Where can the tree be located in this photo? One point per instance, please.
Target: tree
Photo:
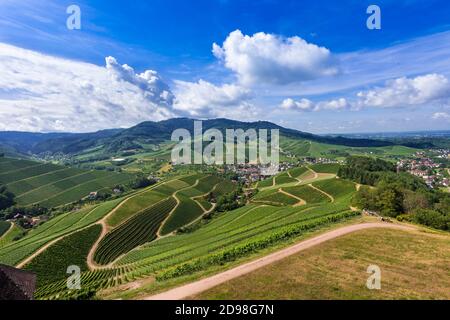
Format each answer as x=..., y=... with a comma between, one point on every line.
x=6, y=198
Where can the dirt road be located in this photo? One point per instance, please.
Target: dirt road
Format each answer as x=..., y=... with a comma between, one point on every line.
x=197, y=287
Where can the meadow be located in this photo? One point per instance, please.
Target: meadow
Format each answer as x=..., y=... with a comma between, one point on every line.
x=414, y=265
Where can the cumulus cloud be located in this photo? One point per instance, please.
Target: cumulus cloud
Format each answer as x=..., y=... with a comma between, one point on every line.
x=44, y=93
x=153, y=88
x=308, y=105
x=203, y=99
x=407, y=91
x=401, y=92
x=272, y=59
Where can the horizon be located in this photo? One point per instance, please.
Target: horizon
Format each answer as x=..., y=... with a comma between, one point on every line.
x=307, y=66
x=319, y=134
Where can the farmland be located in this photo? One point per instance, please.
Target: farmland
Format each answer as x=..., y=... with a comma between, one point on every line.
x=61, y=225
x=138, y=239
x=307, y=193
x=52, y=264
x=138, y=230
x=52, y=185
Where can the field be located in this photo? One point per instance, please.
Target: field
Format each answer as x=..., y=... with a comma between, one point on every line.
x=61, y=225
x=326, y=168
x=138, y=230
x=414, y=265
x=134, y=204
x=52, y=264
x=336, y=187
x=275, y=198
x=52, y=185
x=128, y=252
x=187, y=211
x=307, y=193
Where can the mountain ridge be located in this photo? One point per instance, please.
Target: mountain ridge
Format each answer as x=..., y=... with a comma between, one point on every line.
x=151, y=132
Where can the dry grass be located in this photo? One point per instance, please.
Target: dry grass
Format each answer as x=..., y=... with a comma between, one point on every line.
x=414, y=265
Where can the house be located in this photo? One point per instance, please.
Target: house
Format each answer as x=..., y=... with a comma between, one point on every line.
x=93, y=195
x=16, y=284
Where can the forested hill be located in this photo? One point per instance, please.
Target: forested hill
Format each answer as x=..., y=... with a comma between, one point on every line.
x=151, y=132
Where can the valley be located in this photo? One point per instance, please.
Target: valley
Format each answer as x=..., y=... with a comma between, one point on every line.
x=138, y=225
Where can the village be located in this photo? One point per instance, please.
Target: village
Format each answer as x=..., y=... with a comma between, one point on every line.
x=435, y=174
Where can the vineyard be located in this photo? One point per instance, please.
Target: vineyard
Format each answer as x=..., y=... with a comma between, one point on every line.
x=138, y=230
x=61, y=225
x=51, y=265
x=127, y=252
x=187, y=211
x=275, y=198
x=336, y=187
x=52, y=185
x=307, y=193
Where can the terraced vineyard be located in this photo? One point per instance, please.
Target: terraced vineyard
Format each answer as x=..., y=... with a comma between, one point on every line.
x=52, y=264
x=276, y=198
x=127, y=252
x=307, y=193
x=336, y=187
x=61, y=225
x=52, y=185
x=284, y=178
x=187, y=211
x=138, y=230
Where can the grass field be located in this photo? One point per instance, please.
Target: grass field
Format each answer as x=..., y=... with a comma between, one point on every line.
x=52, y=185
x=414, y=265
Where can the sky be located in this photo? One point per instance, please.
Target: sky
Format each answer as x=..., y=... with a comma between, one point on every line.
x=314, y=66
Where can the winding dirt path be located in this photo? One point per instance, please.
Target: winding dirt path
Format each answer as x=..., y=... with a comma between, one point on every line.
x=92, y=265
x=300, y=202
x=191, y=289
x=24, y=262
x=323, y=192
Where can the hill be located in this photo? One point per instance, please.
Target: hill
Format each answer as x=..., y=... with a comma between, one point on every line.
x=50, y=185
x=337, y=270
x=149, y=132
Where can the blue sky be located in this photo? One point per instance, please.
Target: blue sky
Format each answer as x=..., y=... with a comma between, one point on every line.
x=309, y=65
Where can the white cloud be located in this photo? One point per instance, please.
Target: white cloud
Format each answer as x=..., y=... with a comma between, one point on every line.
x=401, y=92
x=441, y=115
x=301, y=105
x=271, y=59
x=153, y=88
x=407, y=92
x=203, y=99
x=44, y=93
x=308, y=105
